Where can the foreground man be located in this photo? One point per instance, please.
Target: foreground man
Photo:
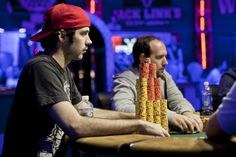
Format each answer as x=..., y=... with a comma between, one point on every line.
x=44, y=105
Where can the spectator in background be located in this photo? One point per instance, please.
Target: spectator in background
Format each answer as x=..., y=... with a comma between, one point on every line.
x=175, y=60
x=6, y=62
x=215, y=74
x=223, y=122
x=196, y=74
x=124, y=91
x=226, y=82
x=12, y=74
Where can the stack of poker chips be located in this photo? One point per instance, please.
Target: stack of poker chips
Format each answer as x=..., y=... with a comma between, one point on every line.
x=149, y=105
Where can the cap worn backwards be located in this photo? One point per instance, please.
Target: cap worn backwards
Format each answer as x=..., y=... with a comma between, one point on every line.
x=62, y=16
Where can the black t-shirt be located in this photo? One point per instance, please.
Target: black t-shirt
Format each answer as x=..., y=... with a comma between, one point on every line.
x=30, y=131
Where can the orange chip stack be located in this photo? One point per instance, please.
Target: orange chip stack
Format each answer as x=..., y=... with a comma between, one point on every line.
x=151, y=89
x=144, y=70
x=157, y=88
x=152, y=70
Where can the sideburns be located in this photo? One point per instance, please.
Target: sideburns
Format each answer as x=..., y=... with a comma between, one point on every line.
x=70, y=35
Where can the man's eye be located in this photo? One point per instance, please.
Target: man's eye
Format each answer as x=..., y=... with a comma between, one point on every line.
x=84, y=33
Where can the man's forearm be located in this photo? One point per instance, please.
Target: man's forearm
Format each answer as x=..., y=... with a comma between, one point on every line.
x=213, y=128
x=106, y=114
x=100, y=127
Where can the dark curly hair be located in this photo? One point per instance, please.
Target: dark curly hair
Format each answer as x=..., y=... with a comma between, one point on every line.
x=142, y=46
x=50, y=42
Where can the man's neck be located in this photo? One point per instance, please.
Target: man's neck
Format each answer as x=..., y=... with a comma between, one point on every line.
x=61, y=59
x=59, y=56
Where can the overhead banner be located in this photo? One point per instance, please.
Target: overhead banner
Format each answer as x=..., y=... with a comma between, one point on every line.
x=144, y=13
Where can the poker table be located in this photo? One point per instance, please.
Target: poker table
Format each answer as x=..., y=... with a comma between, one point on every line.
x=144, y=145
x=104, y=145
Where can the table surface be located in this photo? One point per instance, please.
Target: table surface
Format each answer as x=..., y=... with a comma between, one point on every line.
x=108, y=144
x=182, y=145
x=145, y=145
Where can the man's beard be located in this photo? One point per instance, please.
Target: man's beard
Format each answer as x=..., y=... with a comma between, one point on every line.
x=160, y=74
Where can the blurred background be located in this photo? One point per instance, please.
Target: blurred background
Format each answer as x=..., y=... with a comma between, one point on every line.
x=200, y=36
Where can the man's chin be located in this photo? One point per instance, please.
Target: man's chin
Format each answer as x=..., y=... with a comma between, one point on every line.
x=80, y=57
x=160, y=74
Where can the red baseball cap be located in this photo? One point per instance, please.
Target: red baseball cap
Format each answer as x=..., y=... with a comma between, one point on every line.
x=62, y=16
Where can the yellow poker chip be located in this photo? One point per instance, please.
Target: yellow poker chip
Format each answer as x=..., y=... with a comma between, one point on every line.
x=149, y=110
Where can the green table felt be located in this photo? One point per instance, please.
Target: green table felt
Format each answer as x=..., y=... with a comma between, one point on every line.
x=192, y=135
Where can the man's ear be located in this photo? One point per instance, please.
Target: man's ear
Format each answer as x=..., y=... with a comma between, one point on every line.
x=62, y=35
x=142, y=57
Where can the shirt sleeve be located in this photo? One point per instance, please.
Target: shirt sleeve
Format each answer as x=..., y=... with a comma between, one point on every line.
x=175, y=99
x=226, y=113
x=124, y=95
x=226, y=82
x=48, y=84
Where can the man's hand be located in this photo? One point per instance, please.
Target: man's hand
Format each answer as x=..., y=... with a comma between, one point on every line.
x=196, y=120
x=188, y=122
x=152, y=129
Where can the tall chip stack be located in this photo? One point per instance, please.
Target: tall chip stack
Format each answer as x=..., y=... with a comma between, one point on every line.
x=141, y=85
x=164, y=117
x=157, y=102
x=149, y=105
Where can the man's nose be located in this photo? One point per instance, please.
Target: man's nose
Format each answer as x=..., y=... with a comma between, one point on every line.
x=164, y=62
x=89, y=41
